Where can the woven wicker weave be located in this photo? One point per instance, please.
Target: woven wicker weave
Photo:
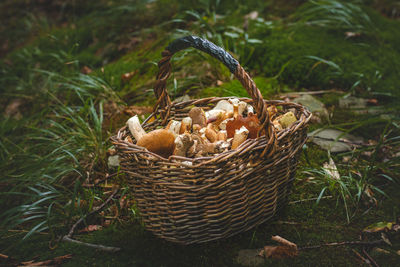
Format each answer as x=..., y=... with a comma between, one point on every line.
x=194, y=200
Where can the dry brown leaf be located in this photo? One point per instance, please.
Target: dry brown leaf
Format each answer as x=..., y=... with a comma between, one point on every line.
x=287, y=250
x=86, y=70
x=279, y=252
x=91, y=228
x=56, y=261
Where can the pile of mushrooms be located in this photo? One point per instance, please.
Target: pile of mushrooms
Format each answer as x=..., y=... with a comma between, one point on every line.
x=224, y=127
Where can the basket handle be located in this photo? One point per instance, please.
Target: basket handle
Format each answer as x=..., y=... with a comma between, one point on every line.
x=164, y=102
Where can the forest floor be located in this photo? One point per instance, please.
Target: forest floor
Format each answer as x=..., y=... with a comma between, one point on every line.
x=73, y=73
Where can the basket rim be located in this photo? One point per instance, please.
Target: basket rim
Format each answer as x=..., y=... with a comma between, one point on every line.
x=249, y=144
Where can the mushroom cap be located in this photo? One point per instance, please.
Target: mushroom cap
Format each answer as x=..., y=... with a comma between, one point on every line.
x=161, y=142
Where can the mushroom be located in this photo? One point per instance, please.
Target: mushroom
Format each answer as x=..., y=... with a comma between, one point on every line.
x=198, y=116
x=182, y=144
x=242, y=106
x=202, y=147
x=135, y=128
x=222, y=135
x=210, y=133
x=286, y=120
x=239, y=137
x=186, y=125
x=174, y=127
x=161, y=141
x=224, y=105
x=251, y=122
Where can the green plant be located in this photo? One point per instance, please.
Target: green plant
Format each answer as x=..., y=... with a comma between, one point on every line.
x=44, y=165
x=338, y=15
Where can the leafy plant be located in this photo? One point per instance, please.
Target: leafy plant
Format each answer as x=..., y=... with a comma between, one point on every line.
x=344, y=15
x=47, y=162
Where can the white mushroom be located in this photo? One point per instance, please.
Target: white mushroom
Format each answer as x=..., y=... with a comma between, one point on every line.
x=239, y=137
x=135, y=128
x=182, y=144
x=174, y=127
x=161, y=141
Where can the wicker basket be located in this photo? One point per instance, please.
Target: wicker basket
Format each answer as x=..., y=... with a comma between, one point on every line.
x=194, y=200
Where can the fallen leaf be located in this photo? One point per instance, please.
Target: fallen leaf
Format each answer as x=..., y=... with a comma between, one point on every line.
x=86, y=70
x=91, y=228
x=287, y=250
x=378, y=227
x=331, y=169
x=278, y=252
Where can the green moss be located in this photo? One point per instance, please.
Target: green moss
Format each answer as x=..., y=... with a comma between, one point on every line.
x=371, y=61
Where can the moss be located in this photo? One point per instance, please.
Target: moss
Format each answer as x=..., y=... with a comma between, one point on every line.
x=371, y=61
x=303, y=223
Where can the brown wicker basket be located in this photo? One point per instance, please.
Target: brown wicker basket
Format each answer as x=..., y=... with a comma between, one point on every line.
x=194, y=200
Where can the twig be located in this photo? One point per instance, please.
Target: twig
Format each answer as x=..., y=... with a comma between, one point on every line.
x=361, y=257
x=351, y=243
x=95, y=210
x=370, y=258
x=100, y=247
x=309, y=199
x=68, y=237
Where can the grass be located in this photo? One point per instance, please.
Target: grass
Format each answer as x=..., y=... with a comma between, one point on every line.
x=55, y=143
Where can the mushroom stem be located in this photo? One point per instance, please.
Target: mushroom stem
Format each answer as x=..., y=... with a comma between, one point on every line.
x=174, y=127
x=135, y=128
x=182, y=144
x=186, y=125
x=239, y=137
